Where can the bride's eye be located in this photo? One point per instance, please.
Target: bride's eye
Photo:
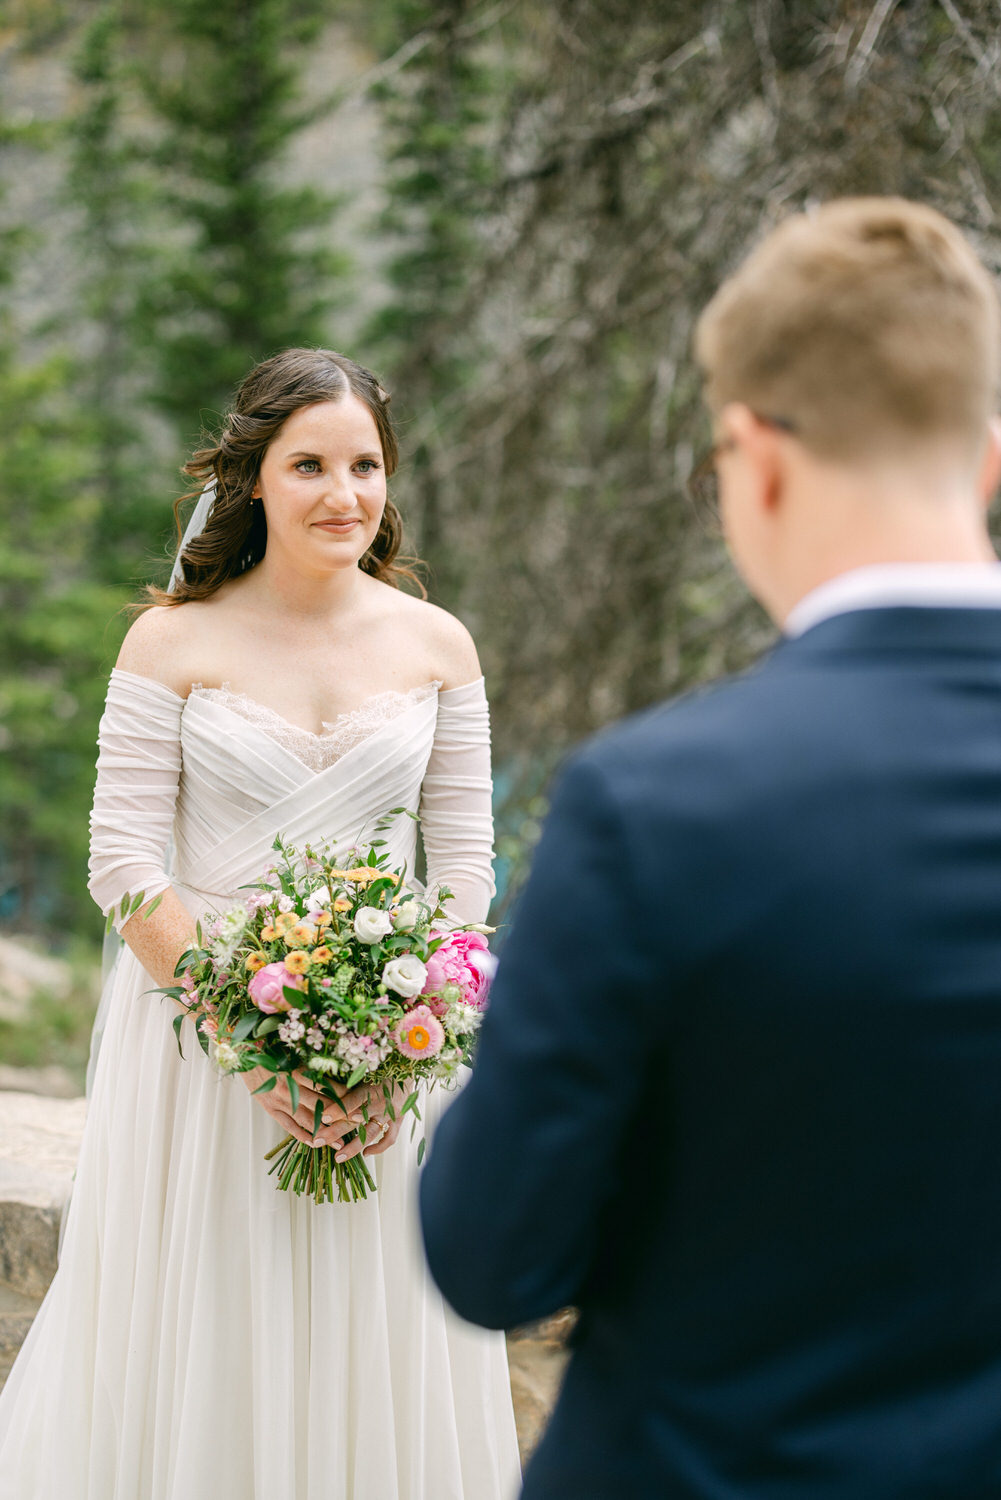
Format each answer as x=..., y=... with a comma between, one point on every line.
x=367, y=465
x=308, y=465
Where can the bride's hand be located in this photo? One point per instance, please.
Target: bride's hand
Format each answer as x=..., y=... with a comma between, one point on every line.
x=382, y=1129
x=278, y=1103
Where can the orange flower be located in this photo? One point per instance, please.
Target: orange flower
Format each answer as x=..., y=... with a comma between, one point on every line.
x=297, y=963
x=323, y=919
x=322, y=955
x=285, y=921
x=342, y=906
x=301, y=935
x=268, y=933
x=256, y=961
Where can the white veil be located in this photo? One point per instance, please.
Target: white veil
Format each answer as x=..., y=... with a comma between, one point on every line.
x=195, y=526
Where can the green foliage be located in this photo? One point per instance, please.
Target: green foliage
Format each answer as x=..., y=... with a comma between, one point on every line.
x=55, y=1029
x=55, y=644
x=246, y=267
x=113, y=195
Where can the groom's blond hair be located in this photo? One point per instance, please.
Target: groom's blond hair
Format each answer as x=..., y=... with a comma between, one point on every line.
x=868, y=325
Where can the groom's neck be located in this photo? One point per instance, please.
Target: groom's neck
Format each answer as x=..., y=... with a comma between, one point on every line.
x=845, y=520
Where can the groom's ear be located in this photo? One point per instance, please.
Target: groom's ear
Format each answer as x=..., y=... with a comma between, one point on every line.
x=759, y=446
x=990, y=465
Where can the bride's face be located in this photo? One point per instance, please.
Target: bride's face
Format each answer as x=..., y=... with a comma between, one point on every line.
x=322, y=483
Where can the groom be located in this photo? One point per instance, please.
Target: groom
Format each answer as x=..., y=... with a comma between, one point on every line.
x=739, y=1093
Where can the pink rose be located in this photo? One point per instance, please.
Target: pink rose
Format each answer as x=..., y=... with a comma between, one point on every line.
x=267, y=985
x=464, y=959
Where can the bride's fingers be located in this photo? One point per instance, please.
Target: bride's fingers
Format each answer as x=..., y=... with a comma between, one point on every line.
x=377, y=1147
x=285, y=1120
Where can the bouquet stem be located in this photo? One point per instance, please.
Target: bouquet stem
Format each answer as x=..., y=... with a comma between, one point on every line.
x=314, y=1170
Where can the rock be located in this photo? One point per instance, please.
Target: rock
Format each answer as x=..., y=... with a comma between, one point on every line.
x=39, y=1144
x=537, y=1356
x=16, y=1315
x=53, y=1082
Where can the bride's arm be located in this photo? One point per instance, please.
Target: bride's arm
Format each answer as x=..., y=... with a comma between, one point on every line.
x=138, y=766
x=456, y=816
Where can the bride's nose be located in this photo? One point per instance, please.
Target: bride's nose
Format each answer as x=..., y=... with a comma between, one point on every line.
x=338, y=493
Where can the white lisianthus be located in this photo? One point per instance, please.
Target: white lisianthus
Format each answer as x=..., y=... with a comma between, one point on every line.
x=371, y=924
x=320, y=899
x=407, y=915
x=480, y=927
x=406, y=975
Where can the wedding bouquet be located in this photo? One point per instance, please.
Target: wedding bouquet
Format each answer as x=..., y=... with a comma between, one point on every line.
x=336, y=973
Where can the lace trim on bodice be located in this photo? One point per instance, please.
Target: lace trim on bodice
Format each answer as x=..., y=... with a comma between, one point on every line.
x=318, y=751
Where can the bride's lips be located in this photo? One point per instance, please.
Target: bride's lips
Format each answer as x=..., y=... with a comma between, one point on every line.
x=337, y=528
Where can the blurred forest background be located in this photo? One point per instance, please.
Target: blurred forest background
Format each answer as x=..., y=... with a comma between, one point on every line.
x=514, y=210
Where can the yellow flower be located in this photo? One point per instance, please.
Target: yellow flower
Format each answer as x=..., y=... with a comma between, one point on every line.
x=301, y=935
x=323, y=919
x=285, y=921
x=322, y=955
x=268, y=933
x=256, y=961
x=342, y=906
x=297, y=963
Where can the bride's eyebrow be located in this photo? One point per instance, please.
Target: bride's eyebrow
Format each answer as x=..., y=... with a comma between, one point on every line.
x=318, y=457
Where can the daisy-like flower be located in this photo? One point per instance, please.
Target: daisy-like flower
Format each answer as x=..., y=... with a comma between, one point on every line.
x=420, y=1034
x=301, y=935
x=323, y=919
x=285, y=921
x=323, y=954
x=342, y=906
x=297, y=962
x=268, y=933
x=255, y=961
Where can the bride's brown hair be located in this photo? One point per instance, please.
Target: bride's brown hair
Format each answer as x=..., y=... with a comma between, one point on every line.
x=235, y=534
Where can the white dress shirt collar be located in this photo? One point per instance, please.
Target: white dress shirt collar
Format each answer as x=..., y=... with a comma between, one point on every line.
x=883, y=585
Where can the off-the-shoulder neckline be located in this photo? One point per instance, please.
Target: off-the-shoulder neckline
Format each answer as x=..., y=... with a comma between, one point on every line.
x=154, y=682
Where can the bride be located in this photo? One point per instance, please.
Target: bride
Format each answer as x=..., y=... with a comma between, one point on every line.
x=207, y=1337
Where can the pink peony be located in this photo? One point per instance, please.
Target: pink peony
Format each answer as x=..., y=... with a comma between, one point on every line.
x=267, y=985
x=419, y=1034
x=464, y=958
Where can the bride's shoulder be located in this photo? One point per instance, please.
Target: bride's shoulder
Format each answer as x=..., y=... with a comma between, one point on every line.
x=163, y=644
x=442, y=639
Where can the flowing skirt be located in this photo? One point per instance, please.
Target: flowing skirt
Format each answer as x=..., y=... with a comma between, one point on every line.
x=208, y=1337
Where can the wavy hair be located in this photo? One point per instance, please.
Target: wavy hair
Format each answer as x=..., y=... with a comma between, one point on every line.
x=235, y=534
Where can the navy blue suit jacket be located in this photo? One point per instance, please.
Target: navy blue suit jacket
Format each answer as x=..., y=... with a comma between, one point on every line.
x=739, y=1091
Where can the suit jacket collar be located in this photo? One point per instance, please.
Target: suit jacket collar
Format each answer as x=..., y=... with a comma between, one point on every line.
x=899, y=630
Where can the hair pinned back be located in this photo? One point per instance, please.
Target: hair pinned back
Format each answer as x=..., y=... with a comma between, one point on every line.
x=235, y=534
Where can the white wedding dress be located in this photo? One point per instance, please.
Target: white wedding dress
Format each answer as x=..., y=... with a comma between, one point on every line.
x=206, y=1336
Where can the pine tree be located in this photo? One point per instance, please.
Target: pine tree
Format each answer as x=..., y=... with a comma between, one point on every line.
x=437, y=114
x=248, y=268
x=115, y=203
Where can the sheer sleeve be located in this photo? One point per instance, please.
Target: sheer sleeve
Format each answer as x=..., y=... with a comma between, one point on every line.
x=138, y=765
x=456, y=818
